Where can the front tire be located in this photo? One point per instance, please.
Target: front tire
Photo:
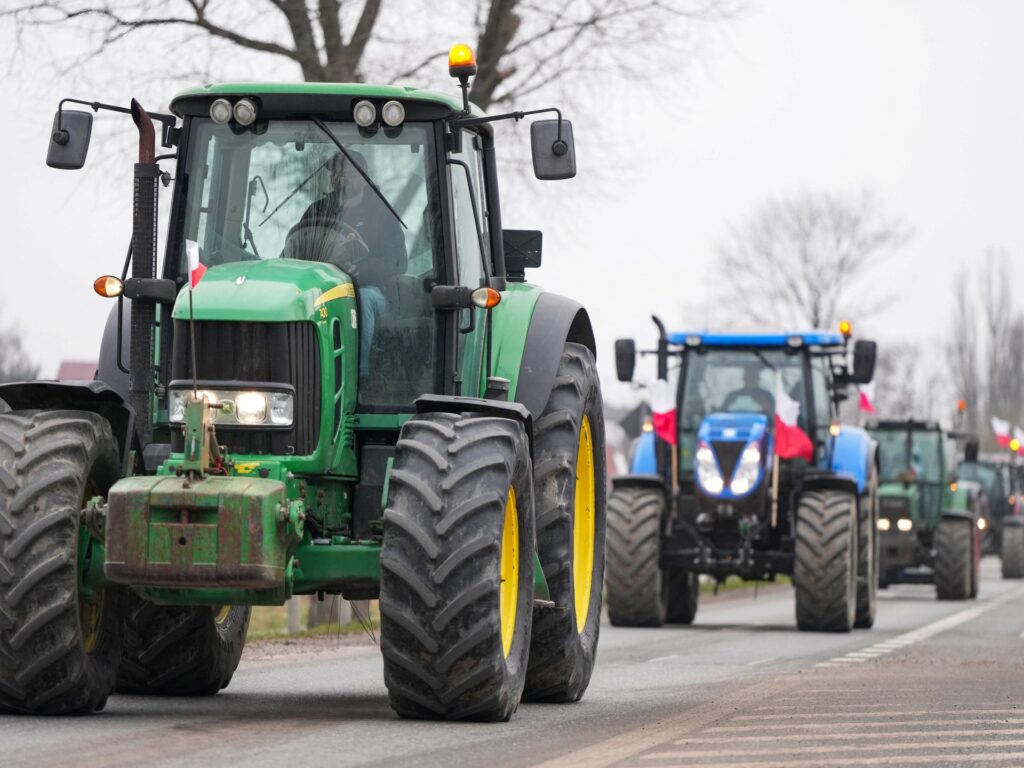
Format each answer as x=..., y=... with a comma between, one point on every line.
x=637, y=591
x=825, y=561
x=457, y=568
x=180, y=651
x=569, y=491
x=59, y=646
x=683, y=596
x=954, y=559
x=1012, y=551
x=869, y=553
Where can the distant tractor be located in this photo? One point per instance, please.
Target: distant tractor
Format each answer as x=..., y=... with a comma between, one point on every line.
x=1002, y=484
x=930, y=524
x=338, y=383
x=753, y=477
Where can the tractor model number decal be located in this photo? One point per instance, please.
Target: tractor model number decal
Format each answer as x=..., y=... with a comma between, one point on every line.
x=346, y=290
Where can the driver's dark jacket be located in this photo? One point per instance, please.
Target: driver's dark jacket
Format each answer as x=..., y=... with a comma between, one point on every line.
x=373, y=221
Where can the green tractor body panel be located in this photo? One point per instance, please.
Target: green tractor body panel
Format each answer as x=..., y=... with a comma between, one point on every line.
x=511, y=319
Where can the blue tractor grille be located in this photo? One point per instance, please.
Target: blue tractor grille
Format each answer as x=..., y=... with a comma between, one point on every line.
x=728, y=453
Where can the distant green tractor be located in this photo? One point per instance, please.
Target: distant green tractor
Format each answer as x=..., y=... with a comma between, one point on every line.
x=1002, y=484
x=361, y=396
x=928, y=521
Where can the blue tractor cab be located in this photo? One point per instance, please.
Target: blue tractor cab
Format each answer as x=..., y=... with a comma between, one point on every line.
x=755, y=477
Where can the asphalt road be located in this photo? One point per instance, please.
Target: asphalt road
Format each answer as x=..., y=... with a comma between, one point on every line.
x=936, y=684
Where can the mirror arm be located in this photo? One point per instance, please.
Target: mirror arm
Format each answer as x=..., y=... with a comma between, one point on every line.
x=559, y=148
x=169, y=134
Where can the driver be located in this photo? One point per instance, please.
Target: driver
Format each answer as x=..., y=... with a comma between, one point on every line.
x=369, y=238
x=751, y=389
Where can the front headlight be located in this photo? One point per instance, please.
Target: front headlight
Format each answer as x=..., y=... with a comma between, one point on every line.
x=905, y=524
x=749, y=467
x=238, y=408
x=884, y=524
x=708, y=474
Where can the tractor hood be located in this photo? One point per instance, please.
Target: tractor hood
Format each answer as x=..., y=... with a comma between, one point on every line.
x=732, y=427
x=898, y=500
x=731, y=454
x=275, y=290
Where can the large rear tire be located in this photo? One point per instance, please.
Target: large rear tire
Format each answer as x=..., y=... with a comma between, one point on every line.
x=59, y=645
x=1013, y=551
x=177, y=651
x=825, y=563
x=954, y=559
x=869, y=553
x=457, y=568
x=683, y=596
x=637, y=591
x=569, y=494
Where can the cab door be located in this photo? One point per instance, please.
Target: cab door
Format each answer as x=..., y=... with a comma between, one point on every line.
x=471, y=239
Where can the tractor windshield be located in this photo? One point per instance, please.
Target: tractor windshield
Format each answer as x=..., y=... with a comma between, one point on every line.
x=902, y=451
x=737, y=381
x=283, y=189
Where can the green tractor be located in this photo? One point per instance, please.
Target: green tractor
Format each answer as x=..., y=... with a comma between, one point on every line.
x=339, y=383
x=929, y=523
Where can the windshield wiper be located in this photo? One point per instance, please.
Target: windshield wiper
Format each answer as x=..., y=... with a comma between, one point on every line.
x=292, y=194
x=323, y=127
x=246, y=229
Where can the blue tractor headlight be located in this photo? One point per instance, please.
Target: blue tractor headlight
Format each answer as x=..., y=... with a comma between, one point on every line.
x=747, y=471
x=708, y=474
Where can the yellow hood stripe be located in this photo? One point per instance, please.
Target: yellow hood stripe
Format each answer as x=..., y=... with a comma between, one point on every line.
x=346, y=290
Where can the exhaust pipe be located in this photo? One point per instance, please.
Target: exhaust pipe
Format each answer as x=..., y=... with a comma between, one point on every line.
x=146, y=198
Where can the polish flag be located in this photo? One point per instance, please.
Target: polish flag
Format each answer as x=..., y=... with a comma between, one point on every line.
x=196, y=268
x=867, y=397
x=1002, y=430
x=790, y=441
x=663, y=408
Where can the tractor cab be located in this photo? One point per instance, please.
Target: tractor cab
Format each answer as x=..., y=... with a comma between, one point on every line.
x=746, y=443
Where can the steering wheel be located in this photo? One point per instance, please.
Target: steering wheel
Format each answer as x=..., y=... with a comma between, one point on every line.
x=338, y=244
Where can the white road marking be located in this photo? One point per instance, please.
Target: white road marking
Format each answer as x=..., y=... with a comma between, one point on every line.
x=859, y=737
x=818, y=762
x=761, y=661
x=832, y=749
x=890, y=713
x=888, y=723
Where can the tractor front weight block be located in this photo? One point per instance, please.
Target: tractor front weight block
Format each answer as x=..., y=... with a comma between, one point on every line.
x=216, y=532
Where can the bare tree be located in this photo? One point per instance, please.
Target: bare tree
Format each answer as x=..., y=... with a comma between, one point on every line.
x=522, y=46
x=15, y=364
x=962, y=353
x=800, y=261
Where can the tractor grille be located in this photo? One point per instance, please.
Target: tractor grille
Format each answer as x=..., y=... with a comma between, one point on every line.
x=728, y=453
x=894, y=507
x=282, y=353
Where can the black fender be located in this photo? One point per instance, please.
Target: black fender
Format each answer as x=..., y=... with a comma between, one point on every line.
x=555, y=321
x=93, y=396
x=1013, y=521
x=642, y=482
x=478, y=405
x=829, y=482
x=958, y=514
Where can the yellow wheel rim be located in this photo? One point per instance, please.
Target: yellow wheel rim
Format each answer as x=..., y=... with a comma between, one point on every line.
x=220, y=615
x=89, y=612
x=509, y=591
x=583, y=526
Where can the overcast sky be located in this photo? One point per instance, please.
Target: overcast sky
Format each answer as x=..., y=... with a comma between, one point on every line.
x=918, y=100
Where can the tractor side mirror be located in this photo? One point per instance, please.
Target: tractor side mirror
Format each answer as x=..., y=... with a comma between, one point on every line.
x=69, y=139
x=522, y=251
x=863, y=361
x=971, y=450
x=553, y=150
x=625, y=358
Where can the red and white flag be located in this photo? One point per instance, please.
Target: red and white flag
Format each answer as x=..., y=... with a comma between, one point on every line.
x=196, y=268
x=663, y=408
x=1002, y=430
x=790, y=441
x=867, y=397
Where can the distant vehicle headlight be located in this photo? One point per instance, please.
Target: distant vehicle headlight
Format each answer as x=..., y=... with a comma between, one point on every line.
x=745, y=476
x=708, y=474
x=884, y=524
x=905, y=524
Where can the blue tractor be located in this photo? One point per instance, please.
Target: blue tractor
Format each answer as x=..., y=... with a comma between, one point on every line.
x=708, y=494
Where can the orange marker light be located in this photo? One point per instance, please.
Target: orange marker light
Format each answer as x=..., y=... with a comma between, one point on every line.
x=485, y=298
x=961, y=405
x=845, y=328
x=108, y=286
x=461, y=61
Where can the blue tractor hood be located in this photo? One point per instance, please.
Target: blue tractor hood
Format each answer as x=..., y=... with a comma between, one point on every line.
x=733, y=427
